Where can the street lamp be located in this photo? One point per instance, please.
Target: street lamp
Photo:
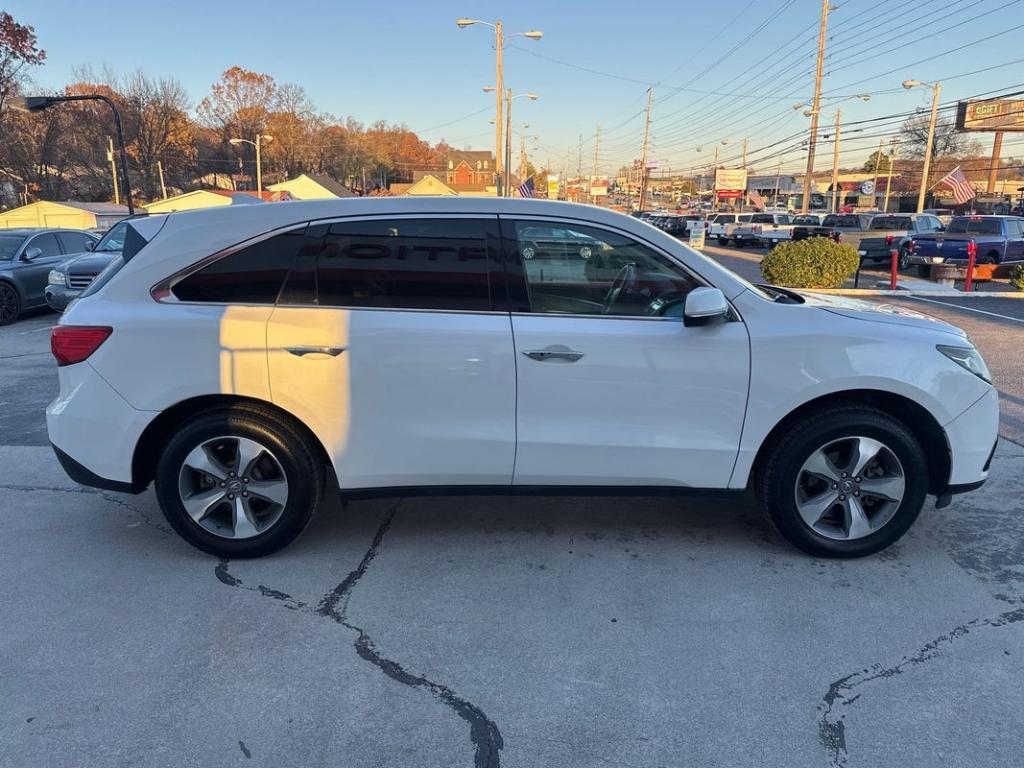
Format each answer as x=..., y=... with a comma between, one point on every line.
x=260, y=138
x=39, y=103
x=936, y=90
x=499, y=80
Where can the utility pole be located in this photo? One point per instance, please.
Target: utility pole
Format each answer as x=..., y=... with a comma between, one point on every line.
x=113, y=169
x=936, y=90
x=835, y=164
x=597, y=149
x=878, y=160
x=993, y=167
x=508, y=143
x=579, y=159
x=643, y=151
x=714, y=178
x=499, y=90
x=778, y=176
x=888, y=175
x=163, y=188
x=815, y=107
x=259, y=168
x=744, y=154
x=522, y=159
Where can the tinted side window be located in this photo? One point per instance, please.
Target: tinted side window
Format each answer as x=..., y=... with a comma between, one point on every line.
x=74, y=242
x=406, y=264
x=252, y=275
x=47, y=242
x=762, y=218
x=602, y=272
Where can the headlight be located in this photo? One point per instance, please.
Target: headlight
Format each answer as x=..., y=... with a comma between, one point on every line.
x=968, y=358
x=56, y=278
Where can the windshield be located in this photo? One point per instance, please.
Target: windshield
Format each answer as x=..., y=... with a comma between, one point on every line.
x=891, y=222
x=9, y=245
x=113, y=240
x=967, y=226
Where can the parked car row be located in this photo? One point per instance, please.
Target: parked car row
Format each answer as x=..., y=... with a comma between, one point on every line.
x=51, y=267
x=26, y=258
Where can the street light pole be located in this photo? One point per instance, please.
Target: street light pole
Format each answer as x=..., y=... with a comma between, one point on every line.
x=39, y=103
x=936, y=90
x=835, y=164
x=499, y=92
x=259, y=166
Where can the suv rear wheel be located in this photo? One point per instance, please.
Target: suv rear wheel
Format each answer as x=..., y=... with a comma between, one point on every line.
x=239, y=482
x=844, y=482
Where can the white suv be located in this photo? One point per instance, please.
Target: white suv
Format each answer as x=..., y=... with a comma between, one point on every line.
x=240, y=356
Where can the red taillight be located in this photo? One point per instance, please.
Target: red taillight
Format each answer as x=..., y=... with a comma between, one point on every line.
x=72, y=344
x=889, y=239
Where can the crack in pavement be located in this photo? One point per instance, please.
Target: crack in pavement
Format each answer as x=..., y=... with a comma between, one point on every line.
x=106, y=495
x=483, y=732
x=832, y=729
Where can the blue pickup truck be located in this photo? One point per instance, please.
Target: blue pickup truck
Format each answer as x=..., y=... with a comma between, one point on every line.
x=999, y=239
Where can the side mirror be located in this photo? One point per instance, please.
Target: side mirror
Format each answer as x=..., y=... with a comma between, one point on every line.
x=89, y=245
x=32, y=254
x=704, y=306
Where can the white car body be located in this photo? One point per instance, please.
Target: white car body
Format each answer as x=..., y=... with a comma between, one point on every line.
x=420, y=398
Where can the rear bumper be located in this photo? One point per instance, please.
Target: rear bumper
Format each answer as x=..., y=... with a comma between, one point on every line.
x=84, y=476
x=94, y=430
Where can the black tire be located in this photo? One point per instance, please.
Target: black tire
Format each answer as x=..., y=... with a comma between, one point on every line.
x=904, y=259
x=298, y=458
x=775, y=483
x=10, y=303
x=923, y=270
x=723, y=241
x=991, y=258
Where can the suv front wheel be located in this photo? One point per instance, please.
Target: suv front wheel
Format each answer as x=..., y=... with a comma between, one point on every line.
x=239, y=482
x=846, y=481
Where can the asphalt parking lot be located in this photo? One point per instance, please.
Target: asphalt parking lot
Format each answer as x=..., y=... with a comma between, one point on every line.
x=493, y=631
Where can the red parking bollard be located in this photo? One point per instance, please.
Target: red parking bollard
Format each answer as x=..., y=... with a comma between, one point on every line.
x=972, y=254
x=894, y=256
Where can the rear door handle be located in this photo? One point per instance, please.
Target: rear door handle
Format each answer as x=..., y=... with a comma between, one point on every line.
x=554, y=353
x=302, y=351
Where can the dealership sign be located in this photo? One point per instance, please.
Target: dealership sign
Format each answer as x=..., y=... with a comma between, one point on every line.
x=733, y=179
x=990, y=115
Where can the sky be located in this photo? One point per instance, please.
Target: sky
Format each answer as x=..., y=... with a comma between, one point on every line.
x=720, y=72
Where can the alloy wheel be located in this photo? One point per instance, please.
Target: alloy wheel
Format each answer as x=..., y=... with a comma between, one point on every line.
x=8, y=304
x=233, y=487
x=849, y=488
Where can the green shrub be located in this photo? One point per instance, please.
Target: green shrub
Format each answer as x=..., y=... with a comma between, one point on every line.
x=1017, y=276
x=817, y=262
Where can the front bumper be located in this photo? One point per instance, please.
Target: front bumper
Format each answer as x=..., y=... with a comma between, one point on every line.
x=58, y=297
x=972, y=438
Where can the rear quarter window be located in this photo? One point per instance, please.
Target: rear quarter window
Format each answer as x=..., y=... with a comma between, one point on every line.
x=251, y=275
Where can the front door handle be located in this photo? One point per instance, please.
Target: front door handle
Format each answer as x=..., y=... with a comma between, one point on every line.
x=302, y=351
x=554, y=353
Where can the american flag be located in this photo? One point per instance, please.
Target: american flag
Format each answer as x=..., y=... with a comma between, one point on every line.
x=526, y=188
x=962, y=189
